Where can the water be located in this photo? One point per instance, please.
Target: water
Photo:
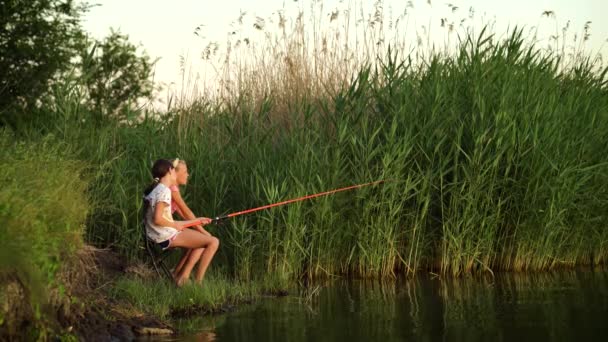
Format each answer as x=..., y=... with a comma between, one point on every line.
x=564, y=306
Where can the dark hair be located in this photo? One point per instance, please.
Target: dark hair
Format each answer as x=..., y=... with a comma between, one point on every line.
x=159, y=170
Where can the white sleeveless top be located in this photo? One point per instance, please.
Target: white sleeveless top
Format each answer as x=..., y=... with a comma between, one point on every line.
x=159, y=233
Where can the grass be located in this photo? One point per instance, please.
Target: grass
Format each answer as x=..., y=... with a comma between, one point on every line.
x=43, y=207
x=496, y=153
x=164, y=300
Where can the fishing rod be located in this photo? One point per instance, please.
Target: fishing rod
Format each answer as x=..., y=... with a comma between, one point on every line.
x=268, y=206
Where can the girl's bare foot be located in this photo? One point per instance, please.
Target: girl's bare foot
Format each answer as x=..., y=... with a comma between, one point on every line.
x=181, y=281
x=175, y=278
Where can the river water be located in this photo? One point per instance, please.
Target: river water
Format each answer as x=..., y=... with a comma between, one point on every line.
x=561, y=306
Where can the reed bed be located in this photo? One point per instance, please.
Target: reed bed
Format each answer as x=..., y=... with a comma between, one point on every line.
x=495, y=151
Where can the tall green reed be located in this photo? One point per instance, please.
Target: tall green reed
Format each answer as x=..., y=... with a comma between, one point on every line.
x=495, y=156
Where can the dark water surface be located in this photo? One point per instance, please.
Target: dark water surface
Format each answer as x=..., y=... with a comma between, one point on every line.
x=563, y=306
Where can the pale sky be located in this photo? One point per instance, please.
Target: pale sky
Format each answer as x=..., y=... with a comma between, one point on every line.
x=165, y=29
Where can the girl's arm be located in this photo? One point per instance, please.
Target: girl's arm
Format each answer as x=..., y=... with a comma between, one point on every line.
x=179, y=212
x=184, y=211
x=159, y=220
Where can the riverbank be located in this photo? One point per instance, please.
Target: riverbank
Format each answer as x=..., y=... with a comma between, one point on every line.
x=107, y=298
x=102, y=317
x=137, y=301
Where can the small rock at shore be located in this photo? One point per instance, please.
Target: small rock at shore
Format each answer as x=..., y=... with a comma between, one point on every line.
x=153, y=331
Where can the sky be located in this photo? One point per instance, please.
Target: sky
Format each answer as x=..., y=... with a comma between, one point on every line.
x=166, y=29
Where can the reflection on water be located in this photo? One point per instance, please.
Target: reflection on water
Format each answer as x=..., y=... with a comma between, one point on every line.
x=539, y=307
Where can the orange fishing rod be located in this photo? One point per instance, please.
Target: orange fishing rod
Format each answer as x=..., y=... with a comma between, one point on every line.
x=268, y=206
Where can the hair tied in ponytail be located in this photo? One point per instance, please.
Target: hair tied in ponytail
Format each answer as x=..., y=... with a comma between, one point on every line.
x=160, y=169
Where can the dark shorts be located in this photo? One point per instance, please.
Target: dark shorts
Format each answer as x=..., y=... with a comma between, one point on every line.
x=164, y=244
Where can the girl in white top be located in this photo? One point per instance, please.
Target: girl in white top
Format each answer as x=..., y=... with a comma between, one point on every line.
x=179, y=206
x=162, y=229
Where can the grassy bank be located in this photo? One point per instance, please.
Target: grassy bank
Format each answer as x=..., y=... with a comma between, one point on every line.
x=43, y=207
x=165, y=301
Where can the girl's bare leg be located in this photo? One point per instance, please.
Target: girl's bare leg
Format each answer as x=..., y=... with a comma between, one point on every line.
x=193, y=256
x=191, y=239
x=205, y=259
x=181, y=262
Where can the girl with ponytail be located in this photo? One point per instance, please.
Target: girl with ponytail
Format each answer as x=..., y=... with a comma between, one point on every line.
x=162, y=229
